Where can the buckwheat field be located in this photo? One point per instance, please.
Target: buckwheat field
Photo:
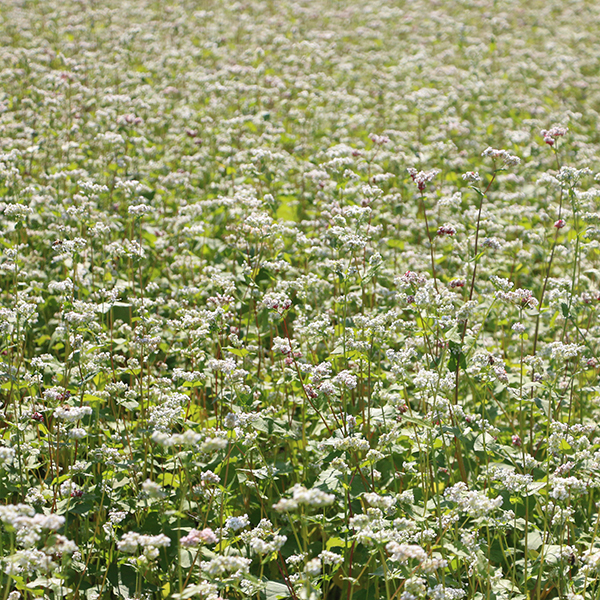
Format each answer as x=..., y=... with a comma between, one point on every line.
x=299, y=299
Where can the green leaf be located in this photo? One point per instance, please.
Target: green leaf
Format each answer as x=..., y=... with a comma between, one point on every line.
x=189, y=592
x=335, y=542
x=187, y=557
x=457, y=356
x=395, y=244
x=484, y=442
x=128, y=404
x=241, y=352
x=276, y=591
x=534, y=539
x=329, y=480
x=122, y=579
x=416, y=421
x=535, y=487
x=552, y=553
x=452, y=335
x=564, y=446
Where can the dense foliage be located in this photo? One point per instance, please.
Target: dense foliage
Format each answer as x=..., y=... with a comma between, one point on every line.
x=299, y=299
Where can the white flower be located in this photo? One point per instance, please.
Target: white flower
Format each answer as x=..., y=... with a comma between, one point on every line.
x=313, y=497
x=72, y=414
x=237, y=523
x=331, y=558
x=313, y=567
x=474, y=503
x=18, y=211
x=346, y=378
x=78, y=433
x=422, y=178
x=285, y=505
x=403, y=553
x=7, y=456
x=153, y=489
x=130, y=542
x=220, y=565
x=518, y=328
x=509, y=160
x=210, y=477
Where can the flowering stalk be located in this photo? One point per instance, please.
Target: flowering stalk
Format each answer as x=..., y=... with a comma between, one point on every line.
x=421, y=178
x=550, y=139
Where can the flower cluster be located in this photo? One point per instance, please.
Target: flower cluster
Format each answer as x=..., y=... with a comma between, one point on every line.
x=508, y=159
x=422, y=178
x=551, y=134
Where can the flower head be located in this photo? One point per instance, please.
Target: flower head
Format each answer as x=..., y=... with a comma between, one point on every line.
x=508, y=160
x=422, y=178
x=551, y=134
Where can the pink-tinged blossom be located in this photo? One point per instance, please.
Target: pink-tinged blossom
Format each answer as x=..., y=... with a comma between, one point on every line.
x=446, y=230
x=422, y=178
x=551, y=134
x=195, y=538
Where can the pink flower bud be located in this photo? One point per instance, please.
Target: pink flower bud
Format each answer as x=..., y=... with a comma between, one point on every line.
x=446, y=230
